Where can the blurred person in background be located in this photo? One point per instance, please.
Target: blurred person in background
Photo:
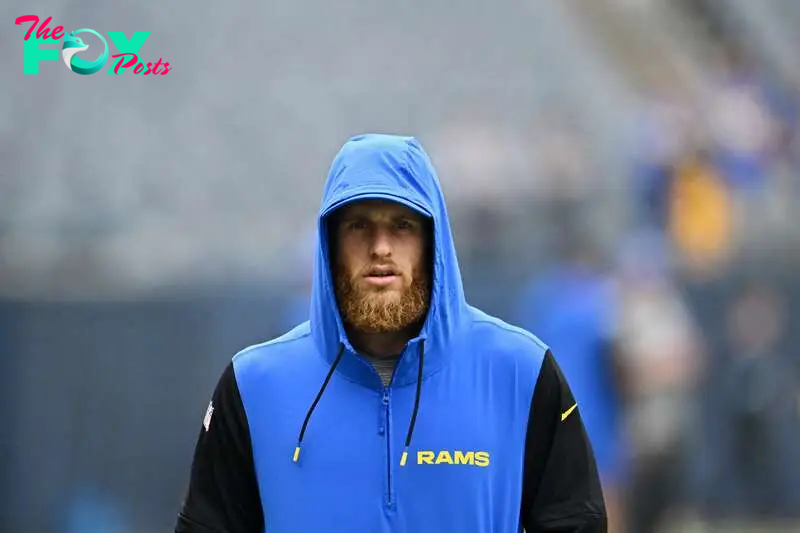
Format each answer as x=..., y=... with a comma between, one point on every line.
x=758, y=477
x=398, y=406
x=660, y=351
x=700, y=214
x=91, y=510
x=572, y=307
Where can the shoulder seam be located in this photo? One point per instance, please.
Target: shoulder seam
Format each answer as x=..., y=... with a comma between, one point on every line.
x=271, y=342
x=517, y=331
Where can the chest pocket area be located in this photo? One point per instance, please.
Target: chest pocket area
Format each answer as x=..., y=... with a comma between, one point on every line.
x=453, y=452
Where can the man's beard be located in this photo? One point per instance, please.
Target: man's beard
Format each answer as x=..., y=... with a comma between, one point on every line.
x=372, y=311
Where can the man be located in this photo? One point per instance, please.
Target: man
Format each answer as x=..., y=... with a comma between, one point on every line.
x=398, y=406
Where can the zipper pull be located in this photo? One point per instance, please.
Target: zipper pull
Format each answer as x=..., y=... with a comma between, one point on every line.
x=382, y=414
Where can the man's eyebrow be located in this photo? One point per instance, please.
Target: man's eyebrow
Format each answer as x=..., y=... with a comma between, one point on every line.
x=350, y=214
x=408, y=216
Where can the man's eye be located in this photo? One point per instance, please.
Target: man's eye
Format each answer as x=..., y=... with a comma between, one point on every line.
x=404, y=224
x=357, y=224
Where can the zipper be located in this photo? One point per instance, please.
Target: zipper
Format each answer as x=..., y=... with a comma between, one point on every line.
x=384, y=429
x=387, y=437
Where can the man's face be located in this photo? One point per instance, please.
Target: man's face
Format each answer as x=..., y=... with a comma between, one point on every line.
x=380, y=265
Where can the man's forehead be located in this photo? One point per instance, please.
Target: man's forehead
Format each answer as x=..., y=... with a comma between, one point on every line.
x=378, y=208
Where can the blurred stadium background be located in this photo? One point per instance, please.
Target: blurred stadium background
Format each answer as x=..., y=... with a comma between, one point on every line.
x=622, y=175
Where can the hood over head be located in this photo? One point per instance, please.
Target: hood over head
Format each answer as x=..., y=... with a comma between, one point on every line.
x=394, y=168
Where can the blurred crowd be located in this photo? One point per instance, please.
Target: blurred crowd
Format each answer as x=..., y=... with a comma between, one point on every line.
x=639, y=217
x=680, y=337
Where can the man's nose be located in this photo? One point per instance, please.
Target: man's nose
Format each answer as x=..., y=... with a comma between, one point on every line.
x=381, y=243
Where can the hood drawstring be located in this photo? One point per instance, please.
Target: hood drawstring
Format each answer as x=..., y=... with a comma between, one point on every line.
x=316, y=401
x=411, y=424
x=416, y=404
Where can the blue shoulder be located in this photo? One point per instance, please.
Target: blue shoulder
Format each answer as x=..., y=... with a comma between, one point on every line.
x=274, y=354
x=512, y=344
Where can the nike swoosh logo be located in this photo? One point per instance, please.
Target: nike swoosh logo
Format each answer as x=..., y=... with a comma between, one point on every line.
x=568, y=412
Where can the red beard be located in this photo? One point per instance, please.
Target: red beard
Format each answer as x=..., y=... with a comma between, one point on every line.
x=381, y=311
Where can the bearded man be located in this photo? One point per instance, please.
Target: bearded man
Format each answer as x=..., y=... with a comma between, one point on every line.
x=397, y=407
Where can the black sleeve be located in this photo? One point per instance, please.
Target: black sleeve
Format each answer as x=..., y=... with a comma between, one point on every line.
x=561, y=491
x=223, y=492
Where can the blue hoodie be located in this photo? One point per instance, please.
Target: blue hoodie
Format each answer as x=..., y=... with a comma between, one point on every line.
x=477, y=431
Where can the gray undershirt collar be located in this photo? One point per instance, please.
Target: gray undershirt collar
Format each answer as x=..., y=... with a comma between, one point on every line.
x=384, y=366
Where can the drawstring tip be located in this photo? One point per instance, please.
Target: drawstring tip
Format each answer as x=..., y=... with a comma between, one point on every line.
x=296, y=454
x=403, y=458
